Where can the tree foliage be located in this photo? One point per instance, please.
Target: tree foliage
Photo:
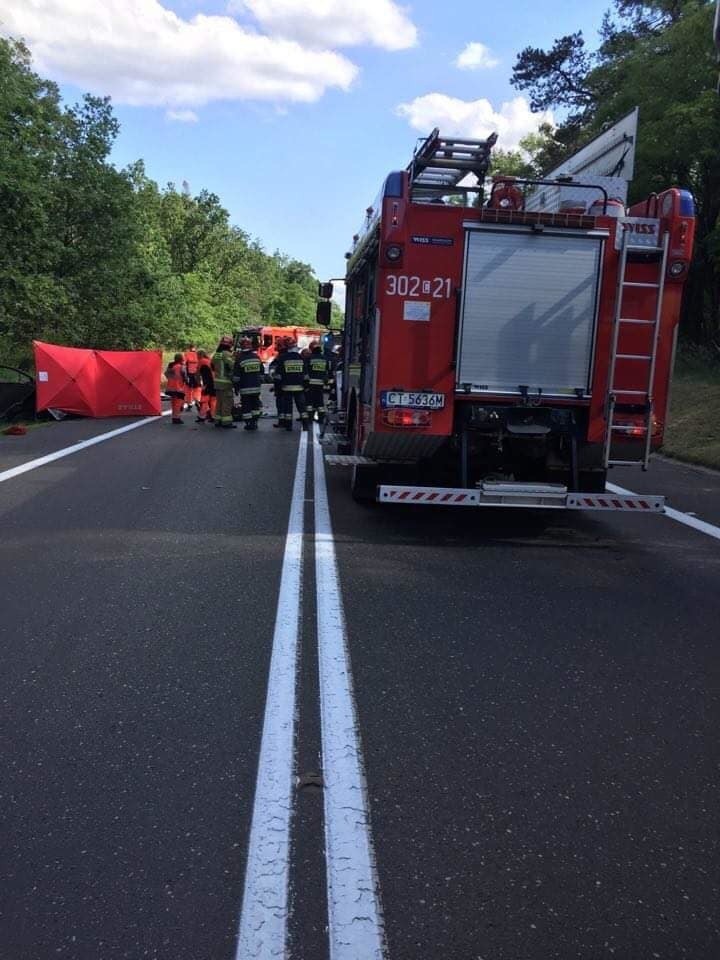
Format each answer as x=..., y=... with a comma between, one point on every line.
x=95, y=256
x=660, y=57
x=558, y=76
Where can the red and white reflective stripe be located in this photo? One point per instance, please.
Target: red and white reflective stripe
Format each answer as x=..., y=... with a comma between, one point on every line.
x=428, y=495
x=456, y=496
x=602, y=503
x=583, y=501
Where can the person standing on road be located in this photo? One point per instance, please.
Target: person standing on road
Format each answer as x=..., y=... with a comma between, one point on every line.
x=318, y=373
x=291, y=382
x=247, y=381
x=223, y=371
x=207, y=389
x=175, y=388
x=192, y=388
x=281, y=345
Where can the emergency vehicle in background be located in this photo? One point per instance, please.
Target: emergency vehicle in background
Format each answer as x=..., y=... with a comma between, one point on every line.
x=265, y=339
x=508, y=349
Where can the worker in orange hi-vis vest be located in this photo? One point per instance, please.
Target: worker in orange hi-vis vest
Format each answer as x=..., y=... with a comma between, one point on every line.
x=192, y=387
x=208, y=400
x=175, y=388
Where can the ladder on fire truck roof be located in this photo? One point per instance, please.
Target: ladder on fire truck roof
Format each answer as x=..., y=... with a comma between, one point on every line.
x=440, y=163
x=619, y=395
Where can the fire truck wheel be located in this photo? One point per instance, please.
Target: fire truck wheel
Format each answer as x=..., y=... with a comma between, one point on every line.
x=363, y=485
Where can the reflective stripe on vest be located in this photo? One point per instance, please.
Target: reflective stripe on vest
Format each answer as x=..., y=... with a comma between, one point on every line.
x=222, y=362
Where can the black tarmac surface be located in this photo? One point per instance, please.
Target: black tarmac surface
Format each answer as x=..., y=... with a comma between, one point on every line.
x=537, y=697
x=139, y=582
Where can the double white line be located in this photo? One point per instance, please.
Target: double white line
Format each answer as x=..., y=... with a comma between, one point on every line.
x=354, y=915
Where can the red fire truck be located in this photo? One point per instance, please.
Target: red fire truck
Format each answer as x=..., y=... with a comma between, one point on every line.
x=265, y=339
x=509, y=349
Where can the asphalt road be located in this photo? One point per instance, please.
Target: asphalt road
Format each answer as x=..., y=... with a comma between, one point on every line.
x=533, y=712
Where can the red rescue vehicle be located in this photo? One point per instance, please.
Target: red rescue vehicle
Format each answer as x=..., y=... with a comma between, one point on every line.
x=265, y=339
x=509, y=349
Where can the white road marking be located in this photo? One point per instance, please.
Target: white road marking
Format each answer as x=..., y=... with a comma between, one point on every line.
x=264, y=914
x=75, y=448
x=690, y=521
x=354, y=911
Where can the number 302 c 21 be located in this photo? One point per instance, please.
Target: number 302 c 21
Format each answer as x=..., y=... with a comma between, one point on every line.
x=400, y=285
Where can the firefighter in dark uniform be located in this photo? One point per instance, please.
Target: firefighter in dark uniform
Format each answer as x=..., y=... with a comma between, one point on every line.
x=247, y=382
x=281, y=346
x=318, y=373
x=290, y=381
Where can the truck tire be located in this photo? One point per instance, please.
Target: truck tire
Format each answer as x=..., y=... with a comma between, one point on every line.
x=363, y=484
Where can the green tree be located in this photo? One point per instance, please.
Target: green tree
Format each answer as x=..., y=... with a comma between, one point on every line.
x=660, y=57
x=31, y=295
x=95, y=256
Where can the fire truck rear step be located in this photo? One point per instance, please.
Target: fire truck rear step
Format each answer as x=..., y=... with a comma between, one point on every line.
x=533, y=496
x=347, y=460
x=328, y=439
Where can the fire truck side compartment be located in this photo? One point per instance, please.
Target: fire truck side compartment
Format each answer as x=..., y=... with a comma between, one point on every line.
x=529, y=311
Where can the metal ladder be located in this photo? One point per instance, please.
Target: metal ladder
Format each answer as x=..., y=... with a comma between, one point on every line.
x=650, y=359
x=440, y=163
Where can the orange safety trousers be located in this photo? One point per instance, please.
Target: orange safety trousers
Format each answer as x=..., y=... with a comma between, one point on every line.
x=193, y=394
x=207, y=405
x=176, y=389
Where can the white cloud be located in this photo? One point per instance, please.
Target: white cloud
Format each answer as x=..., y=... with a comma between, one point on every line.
x=476, y=56
x=182, y=116
x=473, y=118
x=334, y=23
x=141, y=53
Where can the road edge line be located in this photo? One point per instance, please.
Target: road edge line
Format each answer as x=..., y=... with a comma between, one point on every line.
x=75, y=448
x=702, y=526
x=354, y=910
x=262, y=928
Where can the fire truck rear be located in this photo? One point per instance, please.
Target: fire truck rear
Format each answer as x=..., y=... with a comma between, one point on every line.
x=265, y=340
x=510, y=349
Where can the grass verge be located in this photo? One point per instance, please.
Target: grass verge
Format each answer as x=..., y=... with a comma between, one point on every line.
x=693, y=431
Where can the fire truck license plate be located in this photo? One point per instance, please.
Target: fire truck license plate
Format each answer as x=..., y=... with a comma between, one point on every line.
x=416, y=401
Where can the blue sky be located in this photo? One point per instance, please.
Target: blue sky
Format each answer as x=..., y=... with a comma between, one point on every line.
x=292, y=112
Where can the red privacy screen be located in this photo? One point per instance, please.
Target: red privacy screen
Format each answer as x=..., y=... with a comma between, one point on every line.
x=98, y=383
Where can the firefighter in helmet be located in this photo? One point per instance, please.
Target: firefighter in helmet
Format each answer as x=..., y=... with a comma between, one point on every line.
x=247, y=381
x=290, y=381
x=318, y=373
x=223, y=364
x=281, y=347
